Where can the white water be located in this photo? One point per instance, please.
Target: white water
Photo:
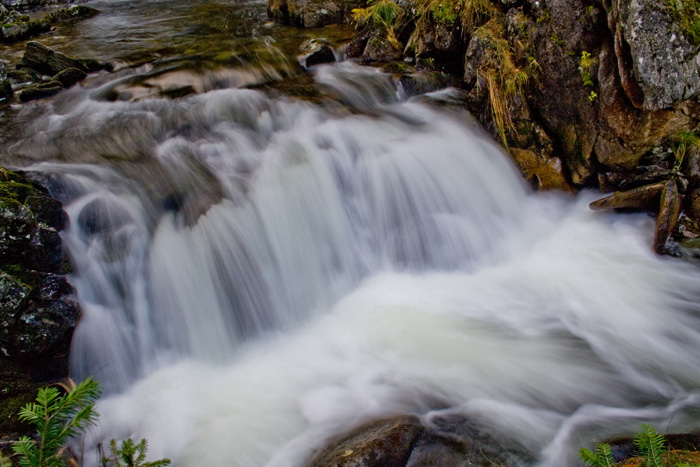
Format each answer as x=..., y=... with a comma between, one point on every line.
x=260, y=275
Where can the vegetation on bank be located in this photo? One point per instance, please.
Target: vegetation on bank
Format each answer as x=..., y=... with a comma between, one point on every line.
x=499, y=74
x=58, y=418
x=652, y=452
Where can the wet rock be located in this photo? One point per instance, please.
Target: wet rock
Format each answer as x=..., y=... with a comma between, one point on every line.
x=542, y=173
x=644, y=198
x=453, y=439
x=37, y=310
x=70, y=76
x=5, y=86
x=667, y=219
x=380, y=48
x=29, y=221
x=46, y=322
x=44, y=60
x=14, y=32
x=315, y=52
x=40, y=91
x=386, y=443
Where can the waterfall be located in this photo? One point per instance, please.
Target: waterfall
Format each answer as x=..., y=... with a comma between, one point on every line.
x=259, y=274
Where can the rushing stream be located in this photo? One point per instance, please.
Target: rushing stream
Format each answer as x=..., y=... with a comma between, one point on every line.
x=259, y=273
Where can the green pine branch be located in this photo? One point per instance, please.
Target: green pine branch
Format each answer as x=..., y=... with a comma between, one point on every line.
x=651, y=445
x=57, y=418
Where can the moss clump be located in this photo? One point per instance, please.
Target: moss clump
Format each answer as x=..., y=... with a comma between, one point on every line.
x=503, y=77
x=686, y=13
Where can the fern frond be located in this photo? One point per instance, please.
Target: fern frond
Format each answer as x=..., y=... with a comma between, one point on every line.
x=651, y=445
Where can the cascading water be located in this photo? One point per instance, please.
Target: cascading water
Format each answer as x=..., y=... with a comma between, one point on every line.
x=260, y=274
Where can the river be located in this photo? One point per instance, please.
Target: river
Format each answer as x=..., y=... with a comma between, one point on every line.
x=281, y=255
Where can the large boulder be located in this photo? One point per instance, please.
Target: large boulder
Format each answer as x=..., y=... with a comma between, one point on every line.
x=45, y=60
x=656, y=58
x=38, y=312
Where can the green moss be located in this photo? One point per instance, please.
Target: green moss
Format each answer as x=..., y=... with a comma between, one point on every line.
x=444, y=12
x=686, y=13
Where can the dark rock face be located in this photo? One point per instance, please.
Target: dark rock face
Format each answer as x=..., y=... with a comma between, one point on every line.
x=37, y=310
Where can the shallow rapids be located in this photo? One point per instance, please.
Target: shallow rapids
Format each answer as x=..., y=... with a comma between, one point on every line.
x=261, y=274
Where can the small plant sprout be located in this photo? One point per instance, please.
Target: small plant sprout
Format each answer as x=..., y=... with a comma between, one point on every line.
x=131, y=455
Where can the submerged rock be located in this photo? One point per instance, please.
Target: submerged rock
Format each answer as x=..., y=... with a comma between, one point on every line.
x=448, y=439
x=40, y=91
x=385, y=443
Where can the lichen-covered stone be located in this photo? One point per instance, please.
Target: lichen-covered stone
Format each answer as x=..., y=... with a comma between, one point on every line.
x=652, y=50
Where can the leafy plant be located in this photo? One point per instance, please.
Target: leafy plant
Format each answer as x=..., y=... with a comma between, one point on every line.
x=680, y=145
x=686, y=13
x=651, y=446
x=503, y=78
x=585, y=63
x=385, y=14
x=57, y=418
x=4, y=461
x=131, y=455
